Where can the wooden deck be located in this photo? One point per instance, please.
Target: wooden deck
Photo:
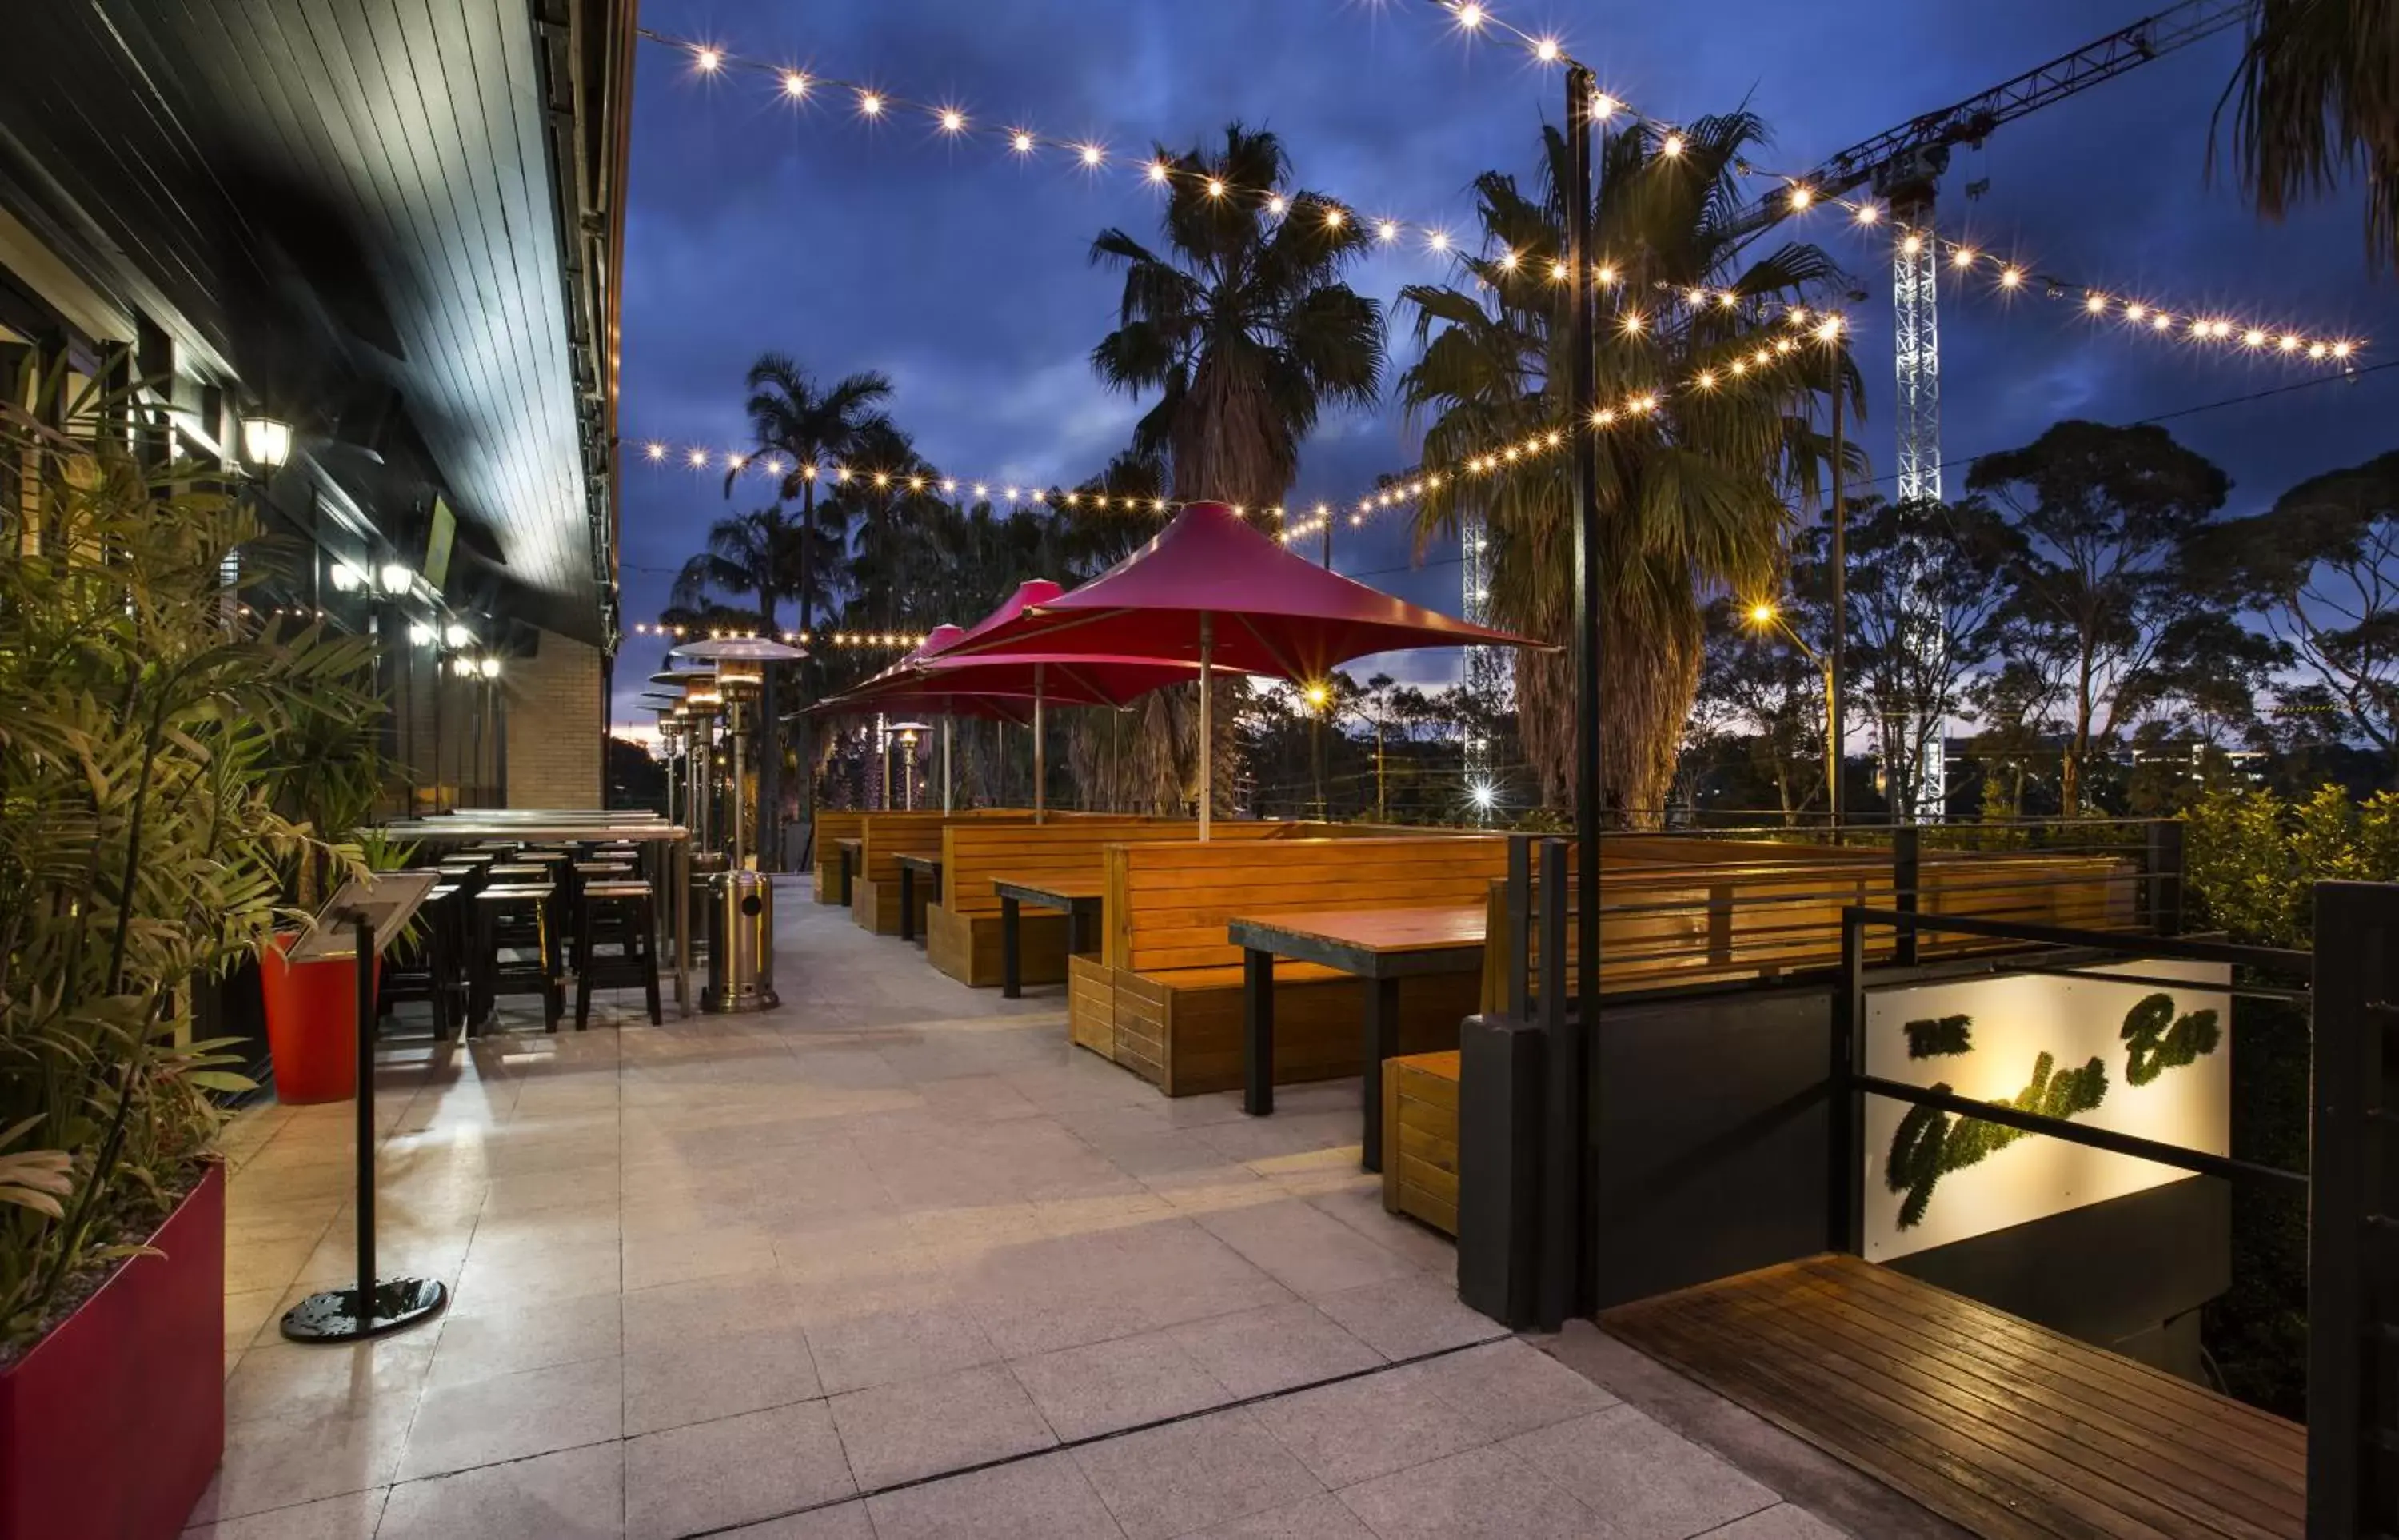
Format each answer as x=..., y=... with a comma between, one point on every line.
x=2002, y=1427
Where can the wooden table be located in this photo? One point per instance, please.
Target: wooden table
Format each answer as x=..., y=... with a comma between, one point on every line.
x=1381, y=946
x=911, y=867
x=526, y=825
x=1080, y=896
x=849, y=849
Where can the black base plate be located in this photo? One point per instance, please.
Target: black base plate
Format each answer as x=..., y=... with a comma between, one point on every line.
x=334, y=1315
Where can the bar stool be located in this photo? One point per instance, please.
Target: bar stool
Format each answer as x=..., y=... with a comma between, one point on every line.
x=423, y=966
x=617, y=912
x=516, y=917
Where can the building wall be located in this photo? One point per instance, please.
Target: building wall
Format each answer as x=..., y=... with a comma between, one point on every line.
x=554, y=726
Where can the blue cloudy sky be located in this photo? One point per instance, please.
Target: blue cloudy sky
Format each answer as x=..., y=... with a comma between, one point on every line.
x=962, y=274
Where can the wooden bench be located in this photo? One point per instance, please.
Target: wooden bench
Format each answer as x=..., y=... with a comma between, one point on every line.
x=1420, y=1137
x=1163, y=998
x=874, y=887
x=962, y=935
x=830, y=828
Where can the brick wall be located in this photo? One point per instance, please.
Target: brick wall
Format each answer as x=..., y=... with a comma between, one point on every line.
x=553, y=725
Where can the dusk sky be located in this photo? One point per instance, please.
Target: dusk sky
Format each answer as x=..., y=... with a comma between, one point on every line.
x=961, y=272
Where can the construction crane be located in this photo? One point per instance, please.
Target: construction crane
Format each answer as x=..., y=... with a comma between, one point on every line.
x=1904, y=165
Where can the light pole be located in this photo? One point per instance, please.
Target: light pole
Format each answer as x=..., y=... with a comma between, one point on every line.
x=1762, y=615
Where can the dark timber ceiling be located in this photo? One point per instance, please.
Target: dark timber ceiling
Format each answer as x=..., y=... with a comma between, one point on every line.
x=345, y=201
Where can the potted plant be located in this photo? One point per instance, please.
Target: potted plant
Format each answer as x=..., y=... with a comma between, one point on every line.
x=326, y=773
x=140, y=856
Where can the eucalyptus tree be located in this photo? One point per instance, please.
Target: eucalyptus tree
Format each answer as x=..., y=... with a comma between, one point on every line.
x=1710, y=362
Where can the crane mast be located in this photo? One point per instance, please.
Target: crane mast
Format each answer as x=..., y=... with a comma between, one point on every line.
x=1905, y=165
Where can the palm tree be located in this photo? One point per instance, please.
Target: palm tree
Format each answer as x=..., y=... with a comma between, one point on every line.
x=803, y=427
x=1691, y=490
x=1241, y=325
x=2317, y=97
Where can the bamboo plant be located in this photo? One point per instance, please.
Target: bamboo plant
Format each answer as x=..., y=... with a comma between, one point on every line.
x=142, y=852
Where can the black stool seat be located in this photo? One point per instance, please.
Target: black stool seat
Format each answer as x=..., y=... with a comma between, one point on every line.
x=614, y=911
x=516, y=917
x=423, y=965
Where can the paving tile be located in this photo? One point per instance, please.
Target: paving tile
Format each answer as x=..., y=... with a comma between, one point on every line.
x=1510, y=1386
x=1782, y=1521
x=736, y=1470
x=1185, y=1475
x=700, y=1382
x=881, y=1347
x=572, y=1494
x=678, y=1314
x=713, y=1253
x=1305, y=1249
x=842, y=1521
x=921, y=1427
x=1480, y=1494
x=481, y=1341
x=351, y=1517
x=295, y=1380
x=1254, y=1352
x=1402, y=1317
x=280, y=1463
x=1109, y=1386
x=1643, y=1479
x=510, y=1416
x=1368, y=1426
x=1040, y=1499
x=1324, y=1516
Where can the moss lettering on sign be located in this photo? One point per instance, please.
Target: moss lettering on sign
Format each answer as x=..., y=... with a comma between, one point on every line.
x=1936, y=1039
x=1929, y=1144
x=2152, y=1046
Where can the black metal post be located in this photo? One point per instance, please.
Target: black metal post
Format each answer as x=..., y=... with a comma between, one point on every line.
x=1845, y=1109
x=907, y=903
x=1562, y=1216
x=1382, y=1043
x=1011, y=938
x=363, y=1295
x=1837, y=705
x=2350, y=1317
x=1906, y=851
x=2163, y=907
x=1578, y=1104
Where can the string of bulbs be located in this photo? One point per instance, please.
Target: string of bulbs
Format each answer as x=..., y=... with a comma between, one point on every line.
x=790, y=638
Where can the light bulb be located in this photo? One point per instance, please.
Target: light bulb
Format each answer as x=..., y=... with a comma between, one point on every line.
x=1334, y=219
x=2096, y=303
x=871, y=103
x=396, y=577
x=1215, y=187
x=2252, y=338
x=1913, y=244
x=1157, y=171
x=1867, y=213
x=2009, y=277
x=1965, y=257
x=1277, y=205
x=1801, y=197
x=1603, y=107
x=1093, y=154
x=953, y=120
x=1671, y=145
x=1021, y=141
x=796, y=85
x=654, y=452
x=1547, y=50
x=708, y=60
x=1470, y=17
x=419, y=633
x=456, y=635
x=1387, y=230
x=489, y=668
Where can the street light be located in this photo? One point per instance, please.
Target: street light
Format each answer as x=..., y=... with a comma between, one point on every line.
x=1762, y=615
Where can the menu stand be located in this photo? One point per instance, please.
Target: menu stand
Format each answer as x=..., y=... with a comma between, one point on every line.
x=360, y=922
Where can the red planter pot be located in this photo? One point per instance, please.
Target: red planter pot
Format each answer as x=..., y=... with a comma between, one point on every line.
x=114, y=1423
x=312, y=1024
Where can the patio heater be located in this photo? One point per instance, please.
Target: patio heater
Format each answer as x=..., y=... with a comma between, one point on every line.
x=741, y=943
x=905, y=734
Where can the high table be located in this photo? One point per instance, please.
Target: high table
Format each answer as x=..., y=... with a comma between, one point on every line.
x=577, y=825
x=1381, y=946
x=912, y=867
x=1080, y=896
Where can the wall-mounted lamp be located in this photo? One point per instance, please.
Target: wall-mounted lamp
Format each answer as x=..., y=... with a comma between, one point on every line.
x=345, y=578
x=463, y=666
x=456, y=635
x=490, y=668
x=265, y=442
x=397, y=579
x=420, y=633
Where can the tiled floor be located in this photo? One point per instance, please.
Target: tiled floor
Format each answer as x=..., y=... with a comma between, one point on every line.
x=849, y=1268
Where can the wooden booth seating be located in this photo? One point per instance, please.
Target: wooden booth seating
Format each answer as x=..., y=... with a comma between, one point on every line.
x=875, y=886
x=830, y=828
x=1420, y=1137
x=1662, y=925
x=1164, y=997
x=962, y=931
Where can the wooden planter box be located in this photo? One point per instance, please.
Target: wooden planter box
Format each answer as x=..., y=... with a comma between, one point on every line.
x=112, y=1427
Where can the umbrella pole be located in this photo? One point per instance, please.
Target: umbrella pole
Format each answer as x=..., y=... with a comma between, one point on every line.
x=948, y=782
x=1040, y=790
x=1207, y=720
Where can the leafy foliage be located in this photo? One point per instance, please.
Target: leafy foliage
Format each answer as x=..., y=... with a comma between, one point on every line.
x=153, y=724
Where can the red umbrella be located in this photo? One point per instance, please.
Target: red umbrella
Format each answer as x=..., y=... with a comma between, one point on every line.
x=1211, y=589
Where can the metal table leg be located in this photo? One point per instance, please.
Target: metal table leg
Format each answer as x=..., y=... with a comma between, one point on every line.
x=683, y=925
x=1257, y=1032
x=1382, y=1041
x=1011, y=967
